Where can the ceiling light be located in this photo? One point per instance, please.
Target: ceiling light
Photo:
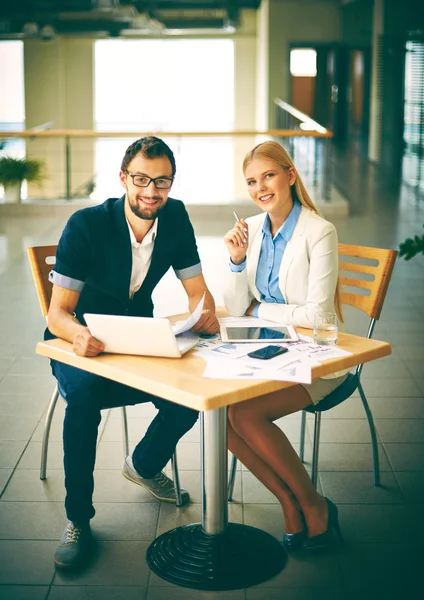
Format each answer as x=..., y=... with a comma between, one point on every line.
x=30, y=29
x=47, y=33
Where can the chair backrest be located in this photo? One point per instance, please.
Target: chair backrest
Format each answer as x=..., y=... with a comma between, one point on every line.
x=374, y=278
x=42, y=259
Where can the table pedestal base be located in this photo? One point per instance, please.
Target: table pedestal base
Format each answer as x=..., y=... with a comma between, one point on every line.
x=239, y=557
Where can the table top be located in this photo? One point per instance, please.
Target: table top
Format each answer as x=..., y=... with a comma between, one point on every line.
x=181, y=379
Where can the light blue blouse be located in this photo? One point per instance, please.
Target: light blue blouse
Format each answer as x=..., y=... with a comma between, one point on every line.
x=271, y=255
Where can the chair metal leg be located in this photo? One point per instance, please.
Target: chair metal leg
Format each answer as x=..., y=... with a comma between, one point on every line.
x=302, y=435
x=315, y=448
x=176, y=478
x=373, y=433
x=46, y=433
x=232, y=479
x=125, y=431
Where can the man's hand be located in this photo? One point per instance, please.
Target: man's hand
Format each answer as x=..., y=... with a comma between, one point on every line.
x=85, y=344
x=208, y=323
x=249, y=311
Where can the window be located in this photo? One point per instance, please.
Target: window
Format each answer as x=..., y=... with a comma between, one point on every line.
x=303, y=62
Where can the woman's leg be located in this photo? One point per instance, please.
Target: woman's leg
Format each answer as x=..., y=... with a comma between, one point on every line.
x=253, y=422
x=293, y=521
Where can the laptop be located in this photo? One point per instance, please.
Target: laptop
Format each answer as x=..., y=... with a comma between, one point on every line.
x=144, y=336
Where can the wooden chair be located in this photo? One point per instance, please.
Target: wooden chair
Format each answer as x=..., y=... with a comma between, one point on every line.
x=373, y=281
x=42, y=259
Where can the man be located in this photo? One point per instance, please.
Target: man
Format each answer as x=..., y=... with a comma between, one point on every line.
x=109, y=260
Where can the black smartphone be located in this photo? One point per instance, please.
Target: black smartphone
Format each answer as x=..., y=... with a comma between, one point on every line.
x=267, y=352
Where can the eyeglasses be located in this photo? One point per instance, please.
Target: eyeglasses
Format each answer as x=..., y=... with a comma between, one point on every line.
x=161, y=183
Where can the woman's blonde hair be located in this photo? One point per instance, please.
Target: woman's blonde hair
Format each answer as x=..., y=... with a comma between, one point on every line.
x=275, y=152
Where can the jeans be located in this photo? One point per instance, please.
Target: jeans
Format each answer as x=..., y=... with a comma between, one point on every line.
x=86, y=394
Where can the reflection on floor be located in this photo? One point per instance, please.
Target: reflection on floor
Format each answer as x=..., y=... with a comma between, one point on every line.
x=383, y=527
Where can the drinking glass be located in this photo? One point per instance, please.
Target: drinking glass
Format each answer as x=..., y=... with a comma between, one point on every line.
x=325, y=328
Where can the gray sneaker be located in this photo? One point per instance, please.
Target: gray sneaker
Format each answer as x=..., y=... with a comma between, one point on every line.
x=160, y=485
x=75, y=546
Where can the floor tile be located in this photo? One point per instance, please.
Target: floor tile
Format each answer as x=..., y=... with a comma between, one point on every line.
x=188, y=456
x=349, y=457
x=348, y=431
x=395, y=431
x=112, y=486
x=295, y=593
x=171, y=592
x=24, y=384
x=12, y=429
x=392, y=367
x=22, y=404
x=21, y=592
x=380, y=387
x=26, y=562
x=358, y=488
x=352, y=408
x=98, y=592
x=5, y=364
x=254, y=492
x=110, y=455
x=397, y=408
x=4, y=477
x=415, y=367
x=377, y=523
x=412, y=485
x=306, y=571
x=420, y=382
x=125, y=521
x=31, y=365
x=388, y=570
x=10, y=453
x=406, y=457
x=114, y=564
x=26, y=485
x=32, y=455
x=32, y=520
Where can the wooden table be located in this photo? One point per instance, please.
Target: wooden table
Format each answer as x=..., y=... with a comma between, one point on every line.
x=213, y=555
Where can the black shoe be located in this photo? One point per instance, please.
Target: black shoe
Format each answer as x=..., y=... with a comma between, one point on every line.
x=75, y=546
x=323, y=540
x=294, y=541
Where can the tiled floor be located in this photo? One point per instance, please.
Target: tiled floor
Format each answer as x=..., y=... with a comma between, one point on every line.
x=383, y=527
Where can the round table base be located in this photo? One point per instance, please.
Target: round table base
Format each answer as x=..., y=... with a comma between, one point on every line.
x=239, y=557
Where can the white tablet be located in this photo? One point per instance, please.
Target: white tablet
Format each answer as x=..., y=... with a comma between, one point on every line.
x=283, y=333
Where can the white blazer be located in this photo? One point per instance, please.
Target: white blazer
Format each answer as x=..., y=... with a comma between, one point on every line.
x=308, y=273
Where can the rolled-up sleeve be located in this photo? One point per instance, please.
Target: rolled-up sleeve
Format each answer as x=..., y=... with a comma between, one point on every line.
x=186, y=262
x=72, y=256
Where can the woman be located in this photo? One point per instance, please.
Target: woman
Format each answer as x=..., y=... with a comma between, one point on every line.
x=284, y=268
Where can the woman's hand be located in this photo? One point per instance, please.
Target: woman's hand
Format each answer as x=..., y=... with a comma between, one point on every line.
x=237, y=241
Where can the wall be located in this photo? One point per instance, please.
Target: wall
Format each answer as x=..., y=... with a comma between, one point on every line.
x=357, y=19
x=59, y=89
x=296, y=21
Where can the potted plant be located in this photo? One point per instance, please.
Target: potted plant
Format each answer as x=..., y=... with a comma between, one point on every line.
x=13, y=171
x=411, y=247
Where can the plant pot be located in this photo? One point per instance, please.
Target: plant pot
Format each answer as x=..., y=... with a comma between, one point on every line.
x=12, y=193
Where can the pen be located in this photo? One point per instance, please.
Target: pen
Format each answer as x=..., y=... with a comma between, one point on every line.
x=237, y=218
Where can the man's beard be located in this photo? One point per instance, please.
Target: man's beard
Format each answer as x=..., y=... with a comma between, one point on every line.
x=148, y=214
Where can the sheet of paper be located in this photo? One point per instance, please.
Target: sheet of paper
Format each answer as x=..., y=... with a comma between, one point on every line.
x=317, y=352
x=182, y=326
x=298, y=371
x=247, y=322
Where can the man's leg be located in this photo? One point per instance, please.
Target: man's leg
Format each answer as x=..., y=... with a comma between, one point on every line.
x=157, y=447
x=85, y=395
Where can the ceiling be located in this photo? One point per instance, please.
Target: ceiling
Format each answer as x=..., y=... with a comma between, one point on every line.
x=111, y=18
